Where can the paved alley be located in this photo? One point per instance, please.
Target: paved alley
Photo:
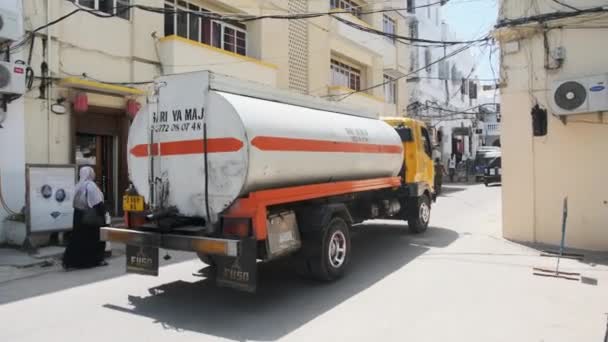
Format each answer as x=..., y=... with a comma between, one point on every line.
x=460, y=281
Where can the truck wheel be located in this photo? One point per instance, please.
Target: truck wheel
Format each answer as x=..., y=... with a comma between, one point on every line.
x=329, y=251
x=419, y=214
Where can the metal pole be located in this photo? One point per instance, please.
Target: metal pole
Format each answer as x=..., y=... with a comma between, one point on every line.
x=561, y=245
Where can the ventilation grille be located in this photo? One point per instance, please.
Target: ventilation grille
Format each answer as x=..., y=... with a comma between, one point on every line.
x=298, y=47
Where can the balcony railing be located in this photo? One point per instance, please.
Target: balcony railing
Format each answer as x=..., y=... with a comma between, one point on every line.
x=179, y=55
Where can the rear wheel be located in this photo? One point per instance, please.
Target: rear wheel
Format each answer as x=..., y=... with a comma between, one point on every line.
x=328, y=251
x=419, y=214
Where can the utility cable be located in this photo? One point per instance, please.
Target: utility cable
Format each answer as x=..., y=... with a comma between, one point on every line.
x=566, y=5
x=451, y=54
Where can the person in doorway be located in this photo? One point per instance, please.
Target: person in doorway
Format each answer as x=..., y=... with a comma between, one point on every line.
x=84, y=248
x=439, y=173
x=452, y=167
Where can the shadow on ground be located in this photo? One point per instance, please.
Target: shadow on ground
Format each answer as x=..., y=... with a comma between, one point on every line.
x=49, y=282
x=284, y=301
x=448, y=189
x=591, y=258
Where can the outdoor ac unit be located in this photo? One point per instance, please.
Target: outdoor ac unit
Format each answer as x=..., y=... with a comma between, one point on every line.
x=9, y=25
x=12, y=78
x=580, y=95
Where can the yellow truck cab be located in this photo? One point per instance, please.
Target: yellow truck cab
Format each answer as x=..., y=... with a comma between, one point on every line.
x=418, y=166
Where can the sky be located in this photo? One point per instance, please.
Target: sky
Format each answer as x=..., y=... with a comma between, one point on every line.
x=471, y=19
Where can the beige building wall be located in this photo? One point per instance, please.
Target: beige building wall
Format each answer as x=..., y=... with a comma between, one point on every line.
x=538, y=172
x=136, y=50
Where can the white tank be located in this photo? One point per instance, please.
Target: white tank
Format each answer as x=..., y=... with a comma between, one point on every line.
x=253, y=143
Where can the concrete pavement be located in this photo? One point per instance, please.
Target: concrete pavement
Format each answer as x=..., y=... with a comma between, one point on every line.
x=460, y=281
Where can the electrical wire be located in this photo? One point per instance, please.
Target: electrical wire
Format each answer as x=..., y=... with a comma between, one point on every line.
x=236, y=17
x=451, y=54
x=542, y=18
x=566, y=5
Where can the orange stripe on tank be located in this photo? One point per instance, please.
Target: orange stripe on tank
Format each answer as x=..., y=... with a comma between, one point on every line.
x=183, y=147
x=266, y=143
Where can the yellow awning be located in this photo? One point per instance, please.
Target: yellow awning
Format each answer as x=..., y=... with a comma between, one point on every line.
x=79, y=83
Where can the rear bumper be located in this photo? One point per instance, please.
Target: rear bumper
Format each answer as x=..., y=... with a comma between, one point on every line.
x=205, y=245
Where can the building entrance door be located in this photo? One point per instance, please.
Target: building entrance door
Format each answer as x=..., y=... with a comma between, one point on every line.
x=98, y=152
x=99, y=140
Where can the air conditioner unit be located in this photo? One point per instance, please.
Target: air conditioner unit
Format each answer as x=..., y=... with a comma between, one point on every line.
x=581, y=95
x=12, y=78
x=9, y=25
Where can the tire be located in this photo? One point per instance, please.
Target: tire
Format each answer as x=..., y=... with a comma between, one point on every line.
x=328, y=251
x=419, y=214
x=486, y=183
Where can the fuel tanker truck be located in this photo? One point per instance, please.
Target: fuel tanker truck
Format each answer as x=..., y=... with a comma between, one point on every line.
x=239, y=173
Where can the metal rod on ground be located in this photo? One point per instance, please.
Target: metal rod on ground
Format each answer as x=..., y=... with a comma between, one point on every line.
x=556, y=273
x=561, y=245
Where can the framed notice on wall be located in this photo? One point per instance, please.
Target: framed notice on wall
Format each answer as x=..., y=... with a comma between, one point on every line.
x=49, y=196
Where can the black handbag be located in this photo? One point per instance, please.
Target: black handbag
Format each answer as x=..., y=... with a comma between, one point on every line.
x=90, y=217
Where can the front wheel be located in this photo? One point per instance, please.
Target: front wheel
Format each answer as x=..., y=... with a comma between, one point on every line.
x=419, y=214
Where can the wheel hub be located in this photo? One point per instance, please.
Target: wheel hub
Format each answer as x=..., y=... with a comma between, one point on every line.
x=425, y=212
x=337, y=249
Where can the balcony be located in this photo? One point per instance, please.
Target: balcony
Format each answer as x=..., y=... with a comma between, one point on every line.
x=372, y=43
x=180, y=55
x=367, y=102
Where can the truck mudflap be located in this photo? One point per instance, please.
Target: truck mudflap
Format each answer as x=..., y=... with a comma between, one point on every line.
x=235, y=259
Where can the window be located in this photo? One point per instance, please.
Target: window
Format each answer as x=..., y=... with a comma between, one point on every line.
x=437, y=16
x=118, y=8
x=426, y=141
x=347, y=5
x=427, y=60
x=429, y=8
x=414, y=29
x=229, y=36
x=345, y=75
x=444, y=70
x=411, y=6
x=389, y=26
x=390, y=90
x=414, y=53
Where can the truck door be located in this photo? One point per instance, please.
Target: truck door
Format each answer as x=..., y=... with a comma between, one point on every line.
x=427, y=167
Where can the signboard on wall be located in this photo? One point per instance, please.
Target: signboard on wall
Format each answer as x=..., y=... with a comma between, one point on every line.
x=49, y=196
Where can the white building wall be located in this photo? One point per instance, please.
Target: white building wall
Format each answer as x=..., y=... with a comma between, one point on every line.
x=430, y=90
x=12, y=149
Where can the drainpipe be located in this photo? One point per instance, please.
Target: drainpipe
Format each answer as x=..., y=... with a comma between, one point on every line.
x=49, y=84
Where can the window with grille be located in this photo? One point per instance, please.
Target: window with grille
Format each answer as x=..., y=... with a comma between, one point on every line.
x=390, y=90
x=414, y=53
x=119, y=8
x=347, y=5
x=345, y=75
x=389, y=26
x=229, y=36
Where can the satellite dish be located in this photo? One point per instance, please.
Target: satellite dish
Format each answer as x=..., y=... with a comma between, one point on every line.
x=570, y=95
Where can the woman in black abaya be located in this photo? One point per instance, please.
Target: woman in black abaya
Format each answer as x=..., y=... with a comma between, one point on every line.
x=84, y=248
